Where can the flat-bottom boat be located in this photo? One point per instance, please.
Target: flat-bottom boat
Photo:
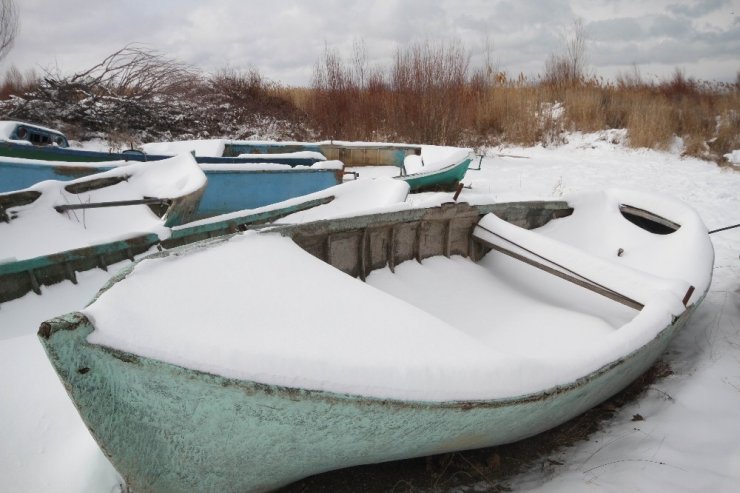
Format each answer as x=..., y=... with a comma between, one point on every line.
x=246, y=362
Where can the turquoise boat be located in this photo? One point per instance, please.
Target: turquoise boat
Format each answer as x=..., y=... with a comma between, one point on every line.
x=21, y=276
x=174, y=427
x=54, y=229
x=30, y=153
x=231, y=187
x=417, y=165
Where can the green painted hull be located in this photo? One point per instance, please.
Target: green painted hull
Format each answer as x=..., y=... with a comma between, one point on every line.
x=23, y=276
x=167, y=428
x=366, y=155
x=443, y=179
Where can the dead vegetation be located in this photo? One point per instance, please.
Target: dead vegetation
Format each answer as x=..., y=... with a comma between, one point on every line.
x=142, y=95
x=428, y=94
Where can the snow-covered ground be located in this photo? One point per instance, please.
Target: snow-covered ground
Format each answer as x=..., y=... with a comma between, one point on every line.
x=689, y=440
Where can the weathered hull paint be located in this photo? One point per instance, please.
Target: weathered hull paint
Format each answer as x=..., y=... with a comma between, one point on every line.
x=351, y=154
x=71, y=155
x=167, y=428
x=231, y=191
x=23, y=276
x=226, y=191
x=365, y=155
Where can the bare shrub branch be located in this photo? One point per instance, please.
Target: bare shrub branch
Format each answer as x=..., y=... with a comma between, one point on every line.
x=135, y=69
x=568, y=68
x=8, y=26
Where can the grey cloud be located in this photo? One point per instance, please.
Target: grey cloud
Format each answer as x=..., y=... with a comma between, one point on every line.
x=284, y=38
x=622, y=29
x=665, y=26
x=699, y=8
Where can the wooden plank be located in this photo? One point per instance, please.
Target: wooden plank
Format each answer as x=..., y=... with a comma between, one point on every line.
x=590, y=285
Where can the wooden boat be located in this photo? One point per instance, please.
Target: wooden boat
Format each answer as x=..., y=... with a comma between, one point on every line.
x=313, y=389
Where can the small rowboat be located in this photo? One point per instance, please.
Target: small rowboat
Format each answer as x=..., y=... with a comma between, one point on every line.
x=246, y=362
x=29, y=141
x=234, y=183
x=424, y=168
x=56, y=228
x=30, y=153
x=97, y=231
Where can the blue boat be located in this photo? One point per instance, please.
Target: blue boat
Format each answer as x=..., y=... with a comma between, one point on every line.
x=31, y=141
x=415, y=166
x=56, y=228
x=231, y=187
x=27, y=264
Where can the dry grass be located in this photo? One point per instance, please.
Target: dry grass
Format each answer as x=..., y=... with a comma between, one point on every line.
x=649, y=121
x=424, y=96
x=516, y=112
x=429, y=95
x=16, y=83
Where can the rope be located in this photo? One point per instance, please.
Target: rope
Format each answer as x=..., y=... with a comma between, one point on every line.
x=724, y=229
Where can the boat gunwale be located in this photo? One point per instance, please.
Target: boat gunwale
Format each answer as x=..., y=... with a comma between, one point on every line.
x=47, y=329
x=77, y=320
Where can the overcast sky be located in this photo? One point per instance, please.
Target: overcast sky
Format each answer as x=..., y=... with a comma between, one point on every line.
x=284, y=39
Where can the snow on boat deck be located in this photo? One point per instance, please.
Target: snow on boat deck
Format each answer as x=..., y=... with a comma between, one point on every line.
x=440, y=330
x=687, y=443
x=40, y=230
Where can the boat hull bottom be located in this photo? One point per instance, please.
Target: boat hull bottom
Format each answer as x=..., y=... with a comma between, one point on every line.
x=167, y=428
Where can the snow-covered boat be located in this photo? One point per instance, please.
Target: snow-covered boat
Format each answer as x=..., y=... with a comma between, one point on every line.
x=424, y=167
x=247, y=362
x=30, y=141
x=234, y=183
x=84, y=238
x=30, y=153
x=54, y=229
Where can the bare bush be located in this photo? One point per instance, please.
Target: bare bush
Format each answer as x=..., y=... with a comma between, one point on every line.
x=568, y=67
x=239, y=101
x=143, y=95
x=8, y=26
x=423, y=97
x=136, y=70
x=334, y=103
x=17, y=83
x=430, y=85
